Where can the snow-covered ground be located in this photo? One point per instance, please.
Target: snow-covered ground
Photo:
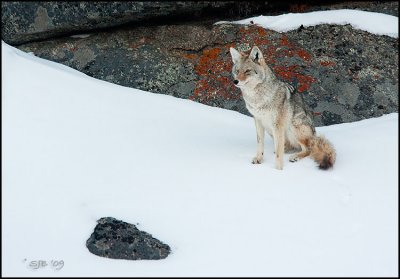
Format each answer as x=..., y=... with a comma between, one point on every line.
x=376, y=23
x=75, y=149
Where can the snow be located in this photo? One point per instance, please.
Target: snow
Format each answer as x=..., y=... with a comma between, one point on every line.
x=375, y=23
x=76, y=149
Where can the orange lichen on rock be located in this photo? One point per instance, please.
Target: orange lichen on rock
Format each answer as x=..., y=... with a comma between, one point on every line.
x=190, y=56
x=304, y=82
x=327, y=63
x=210, y=62
x=206, y=61
x=212, y=68
x=254, y=35
x=285, y=73
x=290, y=74
x=303, y=54
x=285, y=42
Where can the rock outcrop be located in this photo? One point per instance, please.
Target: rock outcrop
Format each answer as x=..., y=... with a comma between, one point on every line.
x=345, y=74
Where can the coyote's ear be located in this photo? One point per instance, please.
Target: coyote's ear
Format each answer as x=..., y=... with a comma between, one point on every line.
x=256, y=55
x=235, y=55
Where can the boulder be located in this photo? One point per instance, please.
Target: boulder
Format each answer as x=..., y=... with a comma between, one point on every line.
x=24, y=22
x=116, y=239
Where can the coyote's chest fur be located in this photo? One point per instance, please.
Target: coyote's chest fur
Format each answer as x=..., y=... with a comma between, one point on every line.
x=263, y=105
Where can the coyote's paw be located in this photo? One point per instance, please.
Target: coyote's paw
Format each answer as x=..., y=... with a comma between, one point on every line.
x=279, y=166
x=257, y=160
x=293, y=158
x=279, y=163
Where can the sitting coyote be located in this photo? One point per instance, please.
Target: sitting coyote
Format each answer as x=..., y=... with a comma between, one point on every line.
x=280, y=110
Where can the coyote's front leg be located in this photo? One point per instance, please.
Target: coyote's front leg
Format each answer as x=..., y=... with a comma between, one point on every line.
x=260, y=142
x=279, y=142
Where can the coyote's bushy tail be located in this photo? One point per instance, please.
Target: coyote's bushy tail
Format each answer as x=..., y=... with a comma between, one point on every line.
x=322, y=151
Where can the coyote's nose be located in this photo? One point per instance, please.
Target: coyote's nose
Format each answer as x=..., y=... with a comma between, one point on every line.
x=235, y=81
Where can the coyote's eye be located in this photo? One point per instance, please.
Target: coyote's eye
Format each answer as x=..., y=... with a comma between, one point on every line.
x=247, y=71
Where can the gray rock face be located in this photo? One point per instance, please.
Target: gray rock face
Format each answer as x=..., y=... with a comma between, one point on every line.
x=345, y=74
x=31, y=21
x=351, y=68
x=119, y=240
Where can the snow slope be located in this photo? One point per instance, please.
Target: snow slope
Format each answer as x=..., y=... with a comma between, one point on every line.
x=375, y=23
x=75, y=149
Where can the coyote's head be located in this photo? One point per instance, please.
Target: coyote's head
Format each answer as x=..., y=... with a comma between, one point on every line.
x=248, y=69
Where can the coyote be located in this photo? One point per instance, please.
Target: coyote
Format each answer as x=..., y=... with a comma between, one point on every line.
x=280, y=110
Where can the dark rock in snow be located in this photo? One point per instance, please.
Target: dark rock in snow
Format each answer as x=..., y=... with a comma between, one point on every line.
x=116, y=239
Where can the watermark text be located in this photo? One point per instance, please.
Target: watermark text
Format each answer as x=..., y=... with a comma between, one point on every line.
x=40, y=264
